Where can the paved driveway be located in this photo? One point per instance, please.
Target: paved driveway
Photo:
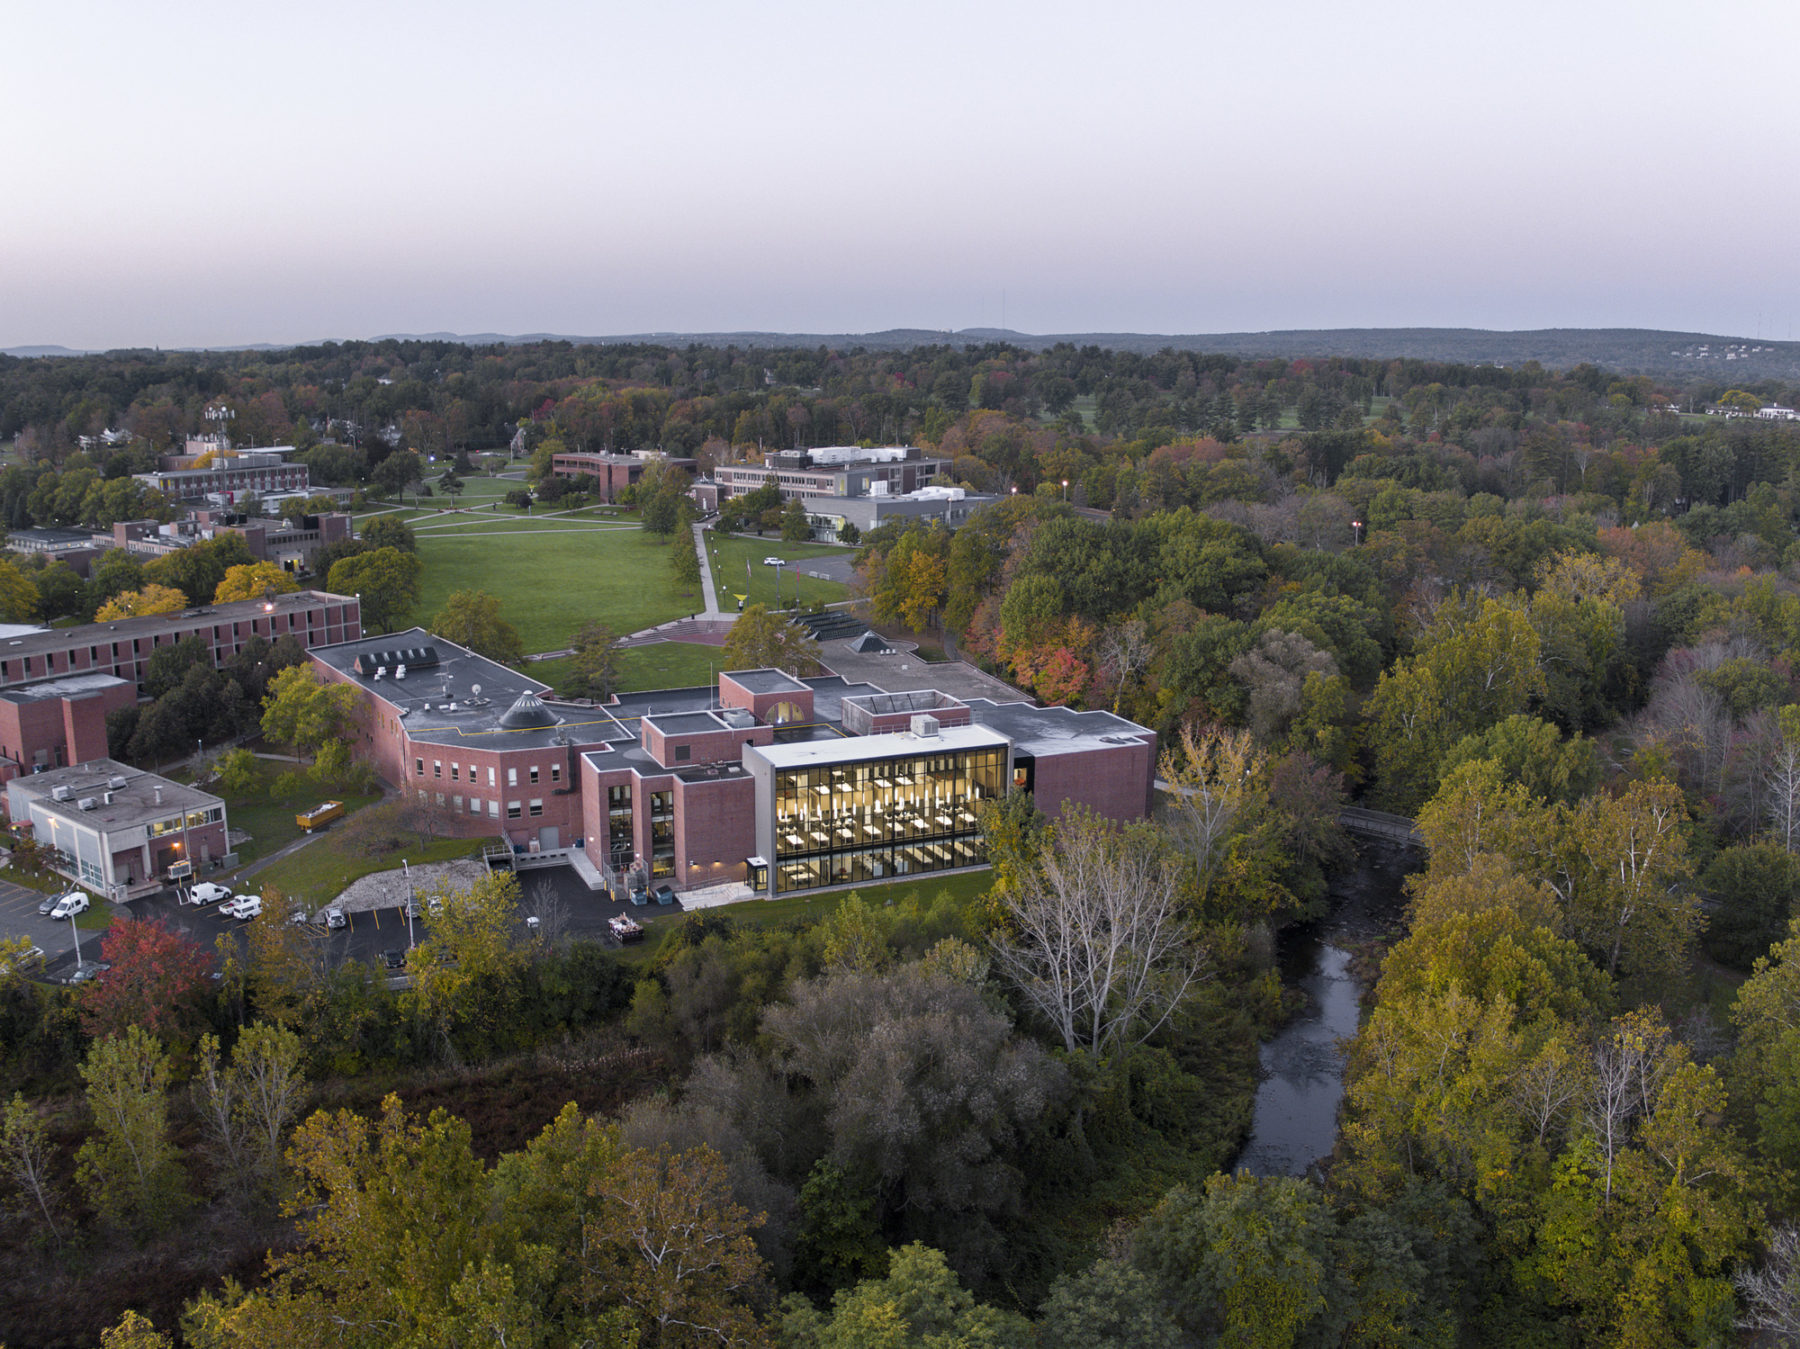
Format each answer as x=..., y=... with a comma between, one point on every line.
x=19, y=918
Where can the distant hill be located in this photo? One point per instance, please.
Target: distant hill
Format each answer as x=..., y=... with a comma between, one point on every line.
x=1632, y=351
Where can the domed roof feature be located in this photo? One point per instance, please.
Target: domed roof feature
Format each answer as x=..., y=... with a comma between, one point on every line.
x=528, y=714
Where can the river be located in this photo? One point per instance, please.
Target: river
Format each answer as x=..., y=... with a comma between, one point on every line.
x=1296, y=1119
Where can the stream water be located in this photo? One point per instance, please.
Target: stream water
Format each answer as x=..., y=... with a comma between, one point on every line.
x=1296, y=1120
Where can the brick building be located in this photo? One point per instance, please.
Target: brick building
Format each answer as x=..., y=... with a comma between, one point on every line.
x=230, y=478
x=116, y=831
x=122, y=649
x=58, y=722
x=781, y=783
x=613, y=472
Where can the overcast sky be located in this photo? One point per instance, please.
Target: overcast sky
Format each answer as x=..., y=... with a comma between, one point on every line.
x=192, y=173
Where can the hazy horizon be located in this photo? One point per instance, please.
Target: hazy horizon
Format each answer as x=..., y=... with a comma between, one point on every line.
x=198, y=174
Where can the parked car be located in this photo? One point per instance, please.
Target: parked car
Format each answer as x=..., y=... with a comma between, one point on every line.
x=70, y=904
x=300, y=918
x=207, y=892
x=25, y=959
x=665, y=894
x=394, y=960
x=334, y=918
x=244, y=906
x=775, y=562
x=92, y=969
x=49, y=902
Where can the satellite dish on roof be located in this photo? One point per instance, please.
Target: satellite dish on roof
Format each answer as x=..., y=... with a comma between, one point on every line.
x=475, y=689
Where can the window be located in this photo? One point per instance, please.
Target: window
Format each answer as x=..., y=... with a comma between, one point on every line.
x=534, y=772
x=490, y=777
x=456, y=803
x=437, y=768
x=453, y=772
x=474, y=806
x=537, y=807
x=512, y=777
x=493, y=810
x=681, y=753
x=512, y=810
x=440, y=798
x=556, y=772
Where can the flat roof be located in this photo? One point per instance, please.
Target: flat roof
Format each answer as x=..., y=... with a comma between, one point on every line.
x=895, y=745
x=440, y=705
x=143, y=798
x=69, y=686
x=687, y=723
x=765, y=681
x=205, y=615
x=1044, y=731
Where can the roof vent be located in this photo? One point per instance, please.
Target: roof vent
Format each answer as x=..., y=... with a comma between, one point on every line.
x=381, y=672
x=527, y=714
x=924, y=727
x=115, y=783
x=400, y=671
x=87, y=803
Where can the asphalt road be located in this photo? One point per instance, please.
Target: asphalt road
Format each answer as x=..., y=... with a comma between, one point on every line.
x=555, y=894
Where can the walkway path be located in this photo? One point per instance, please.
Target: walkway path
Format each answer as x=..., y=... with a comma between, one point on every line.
x=706, y=577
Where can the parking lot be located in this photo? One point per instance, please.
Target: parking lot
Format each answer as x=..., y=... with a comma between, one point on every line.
x=555, y=895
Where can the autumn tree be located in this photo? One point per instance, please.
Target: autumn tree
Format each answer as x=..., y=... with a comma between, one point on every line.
x=918, y=1304
x=470, y=947
x=1095, y=939
x=27, y=1161
x=254, y=581
x=594, y=667
x=248, y=1106
x=385, y=580
x=152, y=599
x=303, y=711
x=760, y=640
x=1215, y=780
x=158, y=981
x=128, y=1167
x=472, y=618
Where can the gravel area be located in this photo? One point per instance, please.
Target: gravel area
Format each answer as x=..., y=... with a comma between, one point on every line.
x=387, y=889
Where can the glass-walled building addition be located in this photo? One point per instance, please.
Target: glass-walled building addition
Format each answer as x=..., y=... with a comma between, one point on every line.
x=870, y=819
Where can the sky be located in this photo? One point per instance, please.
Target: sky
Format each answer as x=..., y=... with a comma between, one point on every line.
x=188, y=173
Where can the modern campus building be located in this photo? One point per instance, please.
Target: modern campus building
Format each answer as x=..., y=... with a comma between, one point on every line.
x=230, y=478
x=846, y=471
x=950, y=505
x=58, y=722
x=776, y=782
x=612, y=472
x=122, y=649
x=116, y=831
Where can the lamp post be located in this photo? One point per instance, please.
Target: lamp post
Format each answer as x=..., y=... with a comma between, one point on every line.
x=1065, y=490
x=75, y=932
x=409, y=903
x=1356, y=532
x=778, y=567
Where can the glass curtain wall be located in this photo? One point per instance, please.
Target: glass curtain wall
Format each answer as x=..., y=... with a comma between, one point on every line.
x=837, y=824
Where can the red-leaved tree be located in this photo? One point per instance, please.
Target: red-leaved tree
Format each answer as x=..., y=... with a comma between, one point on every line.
x=158, y=980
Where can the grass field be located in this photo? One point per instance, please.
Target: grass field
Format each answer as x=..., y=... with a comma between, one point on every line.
x=551, y=582
x=316, y=874
x=965, y=887
x=661, y=665
x=734, y=552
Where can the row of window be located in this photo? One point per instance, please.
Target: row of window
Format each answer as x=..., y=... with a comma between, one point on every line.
x=21, y=668
x=457, y=770
x=533, y=808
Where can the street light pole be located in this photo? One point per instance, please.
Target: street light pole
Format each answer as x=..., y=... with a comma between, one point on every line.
x=409, y=903
x=75, y=932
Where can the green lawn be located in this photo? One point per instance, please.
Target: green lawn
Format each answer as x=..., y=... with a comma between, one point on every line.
x=271, y=825
x=318, y=873
x=964, y=887
x=662, y=665
x=549, y=584
x=734, y=552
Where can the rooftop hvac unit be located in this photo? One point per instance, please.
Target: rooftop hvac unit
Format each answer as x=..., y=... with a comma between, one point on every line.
x=115, y=783
x=59, y=793
x=399, y=672
x=86, y=803
x=381, y=672
x=924, y=727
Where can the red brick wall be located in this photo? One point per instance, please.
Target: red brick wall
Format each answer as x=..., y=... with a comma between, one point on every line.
x=715, y=821
x=1113, y=781
x=734, y=694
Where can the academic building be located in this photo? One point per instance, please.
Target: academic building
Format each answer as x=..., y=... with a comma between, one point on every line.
x=765, y=780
